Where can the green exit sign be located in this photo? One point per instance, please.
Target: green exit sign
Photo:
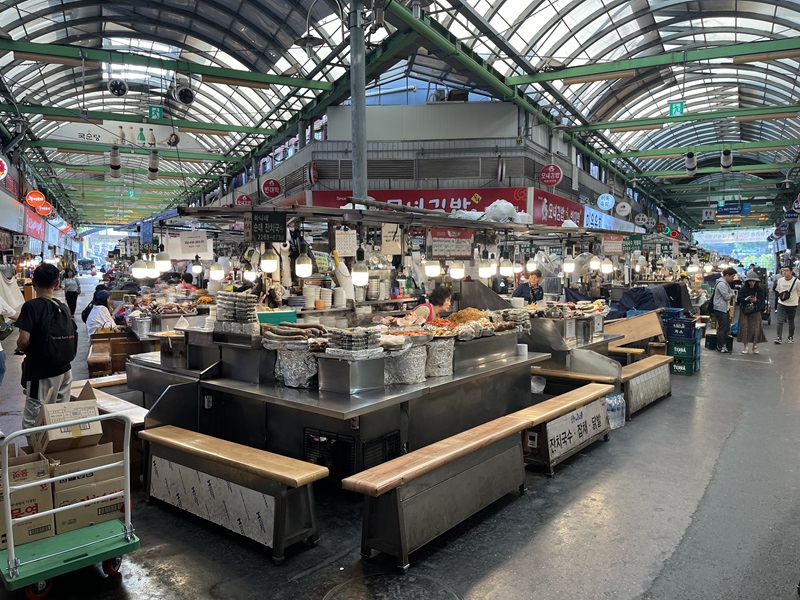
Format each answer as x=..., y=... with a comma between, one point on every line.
x=131, y=193
x=156, y=112
x=676, y=109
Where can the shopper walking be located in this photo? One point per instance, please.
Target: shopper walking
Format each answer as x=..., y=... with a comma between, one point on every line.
x=49, y=338
x=72, y=289
x=788, y=294
x=721, y=303
x=752, y=300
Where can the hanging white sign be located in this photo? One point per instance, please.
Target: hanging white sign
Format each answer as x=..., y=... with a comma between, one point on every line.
x=623, y=209
x=606, y=201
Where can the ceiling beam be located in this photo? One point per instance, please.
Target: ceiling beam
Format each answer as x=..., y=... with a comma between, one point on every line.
x=121, y=183
x=91, y=115
x=744, y=113
x=102, y=170
x=59, y=54
x=711, y=170
x=92, y=148
x=744, y=147
x=771, y=50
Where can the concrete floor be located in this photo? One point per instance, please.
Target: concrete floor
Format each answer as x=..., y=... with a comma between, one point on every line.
x=695, y=498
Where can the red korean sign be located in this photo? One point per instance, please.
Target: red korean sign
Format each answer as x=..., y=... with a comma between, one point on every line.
x=446, y=200
x=450, y=243
x=271, y=188
x=550, y=209
x=34, y=225
x=551, y=175
x=244, y=200
x=45, y=209
x=6, y=240
x=35, y=198
x=3, y=168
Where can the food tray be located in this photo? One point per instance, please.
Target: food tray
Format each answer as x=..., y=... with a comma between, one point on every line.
x=419, y=340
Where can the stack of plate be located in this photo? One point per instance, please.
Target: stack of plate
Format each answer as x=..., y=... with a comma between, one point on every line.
x=297, y=302
x=310, y=293
x=326, y=295
x=339, y=298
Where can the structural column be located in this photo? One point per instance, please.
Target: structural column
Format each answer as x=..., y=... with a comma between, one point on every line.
x=358, y=84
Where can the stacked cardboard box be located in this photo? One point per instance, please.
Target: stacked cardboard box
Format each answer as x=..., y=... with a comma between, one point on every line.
x=31, y=501
x=72, y=449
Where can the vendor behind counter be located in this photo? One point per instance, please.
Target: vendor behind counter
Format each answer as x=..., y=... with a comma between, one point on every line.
x=530, y=290
x=438, y=303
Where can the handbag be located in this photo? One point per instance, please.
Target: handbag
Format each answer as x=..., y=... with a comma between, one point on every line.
x=786, y=294
x=750, y=308
x=6, y=329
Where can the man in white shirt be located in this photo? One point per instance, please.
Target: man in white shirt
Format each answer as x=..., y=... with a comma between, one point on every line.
x=788, y=294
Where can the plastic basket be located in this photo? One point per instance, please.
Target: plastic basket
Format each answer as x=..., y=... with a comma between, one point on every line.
x=682, y=348
x=633, y=313
x=683, y=366
x=681, y=328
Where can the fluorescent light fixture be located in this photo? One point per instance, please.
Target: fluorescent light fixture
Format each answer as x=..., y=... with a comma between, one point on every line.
x=249, y=275
x=595, y=263
x=163, y=262
x=56, y=60
x=518, y=267
x=204, y=131
x=484, y=269
x=76, y=119
x=767, y=149
x=216, y=272
x=642, y=127
x=232, y=81
x=506, y=268
x=599, y=77
x=766, y=117
x=569, y=264
x=139, y=269
x=152, y=270
x=763, y=56
x=606, y=267
x=655, y=156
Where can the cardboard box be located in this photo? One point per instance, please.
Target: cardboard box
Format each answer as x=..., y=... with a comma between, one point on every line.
x=67, y=438
x=31, y=501
x=96, y=512
x=72, y=461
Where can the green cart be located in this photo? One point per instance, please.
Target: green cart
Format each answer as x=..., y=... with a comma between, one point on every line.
x=33, y=565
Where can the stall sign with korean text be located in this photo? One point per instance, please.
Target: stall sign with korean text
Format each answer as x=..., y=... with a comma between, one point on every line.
x=631, y=243
x=666, y=249
x=244, y=200
x=265, y=227
x=573, y=429
x=612, y=243
x=606, y=201
x=551, y=175
x=146, y=232
x=595, y=219
x=551, y=209
x=346, y=242
x=3, y=168
x=450, y=243
x=557, y=250
x=623, y=209
x=448, y=200
x=19, y=241
x=194, y=242
x=640, y=219
x=790, y=215
x=796, y=204
x=271, y=188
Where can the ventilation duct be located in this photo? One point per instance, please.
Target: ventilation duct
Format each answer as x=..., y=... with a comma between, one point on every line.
x=726, y=161
x=691, y=164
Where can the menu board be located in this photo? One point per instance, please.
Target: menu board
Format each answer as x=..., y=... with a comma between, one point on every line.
x=450, y=243
x=346, y=242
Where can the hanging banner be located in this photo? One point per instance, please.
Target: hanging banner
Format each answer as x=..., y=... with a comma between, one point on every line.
x=448, y=200
x=193, y=242
x=3, y=168
x=450, y=243
x=146, y=232
x=612, y=243
x=551, y=209
x=34, y=225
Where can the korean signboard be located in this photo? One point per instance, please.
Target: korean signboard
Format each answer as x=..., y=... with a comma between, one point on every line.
x=551, y=175
x=612, y=243
x=631, y=243
x=34, y=225
x=193, y=242
x=575, y=428
x=265, y=227
x=551, y=209
x=448, y=200
x=450, y=243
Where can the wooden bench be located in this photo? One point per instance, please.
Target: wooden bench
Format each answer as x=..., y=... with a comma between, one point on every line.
x=635, y=329
x=99, y=358
x=642, y=382
x=414, y=498
x=101, y=382
x=263, y=496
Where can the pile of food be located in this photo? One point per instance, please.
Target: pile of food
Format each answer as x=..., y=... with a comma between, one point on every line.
x=468, y=315
x=405, y=321
x=286, y=331
x=151, y=304
x=519, y=316
x=568, y=310
x=354, y=338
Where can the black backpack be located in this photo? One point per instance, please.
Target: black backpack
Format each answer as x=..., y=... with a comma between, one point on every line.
x=62, y=335
x=85, y=312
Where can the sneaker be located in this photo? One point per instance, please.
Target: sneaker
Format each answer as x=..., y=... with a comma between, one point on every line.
x=790, y=340
x=778, y=341
x=745, y=351
x=723, y=350
x=755, y=350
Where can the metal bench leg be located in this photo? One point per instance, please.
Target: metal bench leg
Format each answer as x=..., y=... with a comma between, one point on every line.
x=279, y=539
x=313, y=539
x=402, y=555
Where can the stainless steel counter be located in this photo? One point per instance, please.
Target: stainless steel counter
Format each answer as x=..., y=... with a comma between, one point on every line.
x=344, y=407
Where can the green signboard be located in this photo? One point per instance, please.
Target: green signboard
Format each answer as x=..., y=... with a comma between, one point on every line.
x=676, y=109
x=666, y=249
x=155, y=112
x=265, y=227
x=631, y=243
x=557, y=250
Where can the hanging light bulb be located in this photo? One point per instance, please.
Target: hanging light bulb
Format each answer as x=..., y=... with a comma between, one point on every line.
x=506, y=268
x=269, y=261
x=569, y=264
x=303, y=267
x=484, y=266
x=594, y=263
x=692, y=268
x=605, y=267
x=152, y=270
x=493, y=265
x=249, y=275
x=139, y=269
x=531, y=265
x=708, y=267
x=457, y=270
x=433, y=268
x=360, y=273
x=518, y=267
x=216, y=272
x=197, y=268
x=637, y=267
x=163, y=262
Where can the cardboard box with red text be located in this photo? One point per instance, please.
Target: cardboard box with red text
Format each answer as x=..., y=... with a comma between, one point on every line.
x=67, y=438
x=96, y=512
x=30, y=501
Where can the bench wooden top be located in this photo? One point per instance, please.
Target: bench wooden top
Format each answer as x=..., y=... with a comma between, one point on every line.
x=285, y=470
x=572, y=375
x=393, y=474
x=390, y=475
x=643, y=366
x=561, y=405
x=635, y=329
x=622, y=350
x=101, y=382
